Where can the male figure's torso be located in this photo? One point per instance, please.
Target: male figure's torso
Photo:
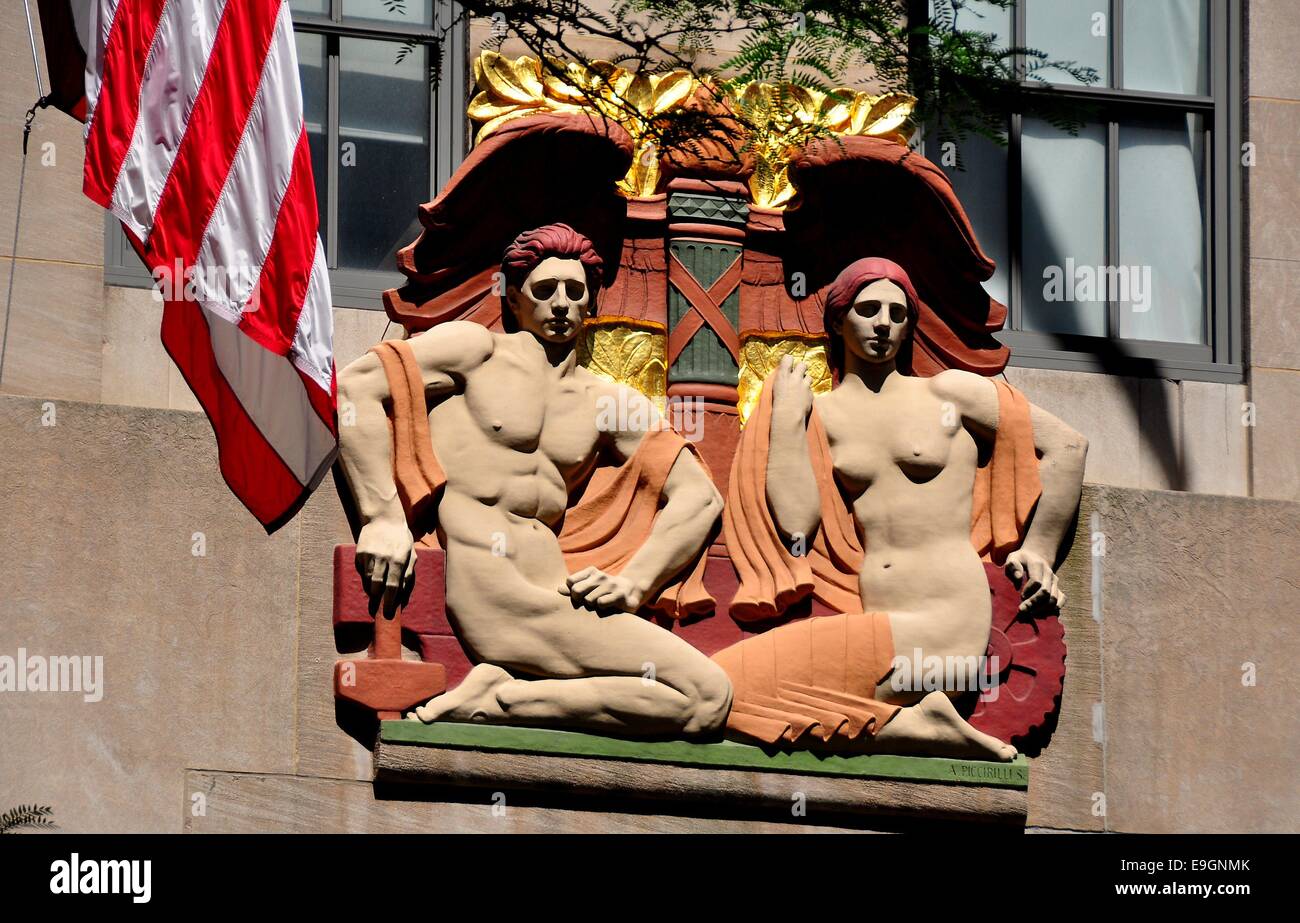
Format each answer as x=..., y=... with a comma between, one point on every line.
x=514, y=440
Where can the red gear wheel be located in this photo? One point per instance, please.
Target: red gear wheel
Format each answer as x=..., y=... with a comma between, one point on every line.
x=1030, y=653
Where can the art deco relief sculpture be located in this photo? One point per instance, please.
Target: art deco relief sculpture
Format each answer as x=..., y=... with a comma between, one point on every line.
x=880, y=497
x=539, y=586
x=880, y=484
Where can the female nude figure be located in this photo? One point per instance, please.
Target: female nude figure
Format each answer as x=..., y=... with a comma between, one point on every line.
x=904, y=453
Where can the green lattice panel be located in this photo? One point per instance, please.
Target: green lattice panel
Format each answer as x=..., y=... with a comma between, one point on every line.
x=704, y=358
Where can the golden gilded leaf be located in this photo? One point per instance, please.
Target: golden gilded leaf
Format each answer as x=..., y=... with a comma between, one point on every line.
x=801, y=103
x=484, y=107
x=603, y=70
x=528, y=76
x=643, y=176
x=639, y=94
x=671, y=90
x=620, y=81
x=756, y=96
x=566, y=89
x=488, y=127
x=771, y=193
x=759, y=356
x=628, y=355
x=860, y=111
x=517, y=81
x=836, y=108
x=881, y=115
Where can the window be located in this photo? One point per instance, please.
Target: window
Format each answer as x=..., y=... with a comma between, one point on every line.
x=1118, y=247
x=384, y=134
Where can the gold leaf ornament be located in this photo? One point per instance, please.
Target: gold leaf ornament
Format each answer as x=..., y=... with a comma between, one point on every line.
x=837, y=108
x=566, y=88
x=510, y=89
x=785, y=117
x=782, y=118
x=643, y=176
x=882, y=116
x=759, y=356
x=628, y=353
x=638, y=99
x=518, y=81
x=671, y=90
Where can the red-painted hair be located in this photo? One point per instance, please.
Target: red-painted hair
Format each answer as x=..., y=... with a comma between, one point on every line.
x=852, y=280
x=527, y=251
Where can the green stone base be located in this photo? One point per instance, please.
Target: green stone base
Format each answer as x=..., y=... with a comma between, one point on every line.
x=723, y=755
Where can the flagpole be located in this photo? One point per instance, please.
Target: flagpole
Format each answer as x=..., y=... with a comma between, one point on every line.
x=41, y=103
x=36, y=61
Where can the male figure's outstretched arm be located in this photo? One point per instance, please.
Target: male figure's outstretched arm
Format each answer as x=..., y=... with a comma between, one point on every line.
x=385, y=549
x=692, y=505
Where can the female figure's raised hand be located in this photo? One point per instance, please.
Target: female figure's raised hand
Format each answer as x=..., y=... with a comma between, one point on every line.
x=792, y=395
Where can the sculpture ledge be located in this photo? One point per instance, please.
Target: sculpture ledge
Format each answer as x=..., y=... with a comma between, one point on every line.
x=735, y=774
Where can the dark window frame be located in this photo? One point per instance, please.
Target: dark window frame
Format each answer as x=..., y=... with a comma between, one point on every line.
x=1221, y=358
x=449, y=143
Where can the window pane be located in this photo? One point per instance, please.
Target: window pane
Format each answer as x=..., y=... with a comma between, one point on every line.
x=1161, y=228
x=319, y=7
x=1063, y=214
x=979, y=16
x=1166, y=46
x=977, y=166
x=1070, y=30
x=384, y=149
x=981, y=187
x=407, y=12
x=312, y=73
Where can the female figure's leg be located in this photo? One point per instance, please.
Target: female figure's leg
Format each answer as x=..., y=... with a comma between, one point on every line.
x=824, y=683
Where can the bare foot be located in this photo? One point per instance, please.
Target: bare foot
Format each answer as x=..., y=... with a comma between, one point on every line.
x=473, y=700
x=933, y=727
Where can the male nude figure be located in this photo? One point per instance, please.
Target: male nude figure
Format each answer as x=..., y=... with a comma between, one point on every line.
x=514, y=423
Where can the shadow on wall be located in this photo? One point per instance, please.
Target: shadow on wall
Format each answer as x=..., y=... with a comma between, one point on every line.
x=1155, y=427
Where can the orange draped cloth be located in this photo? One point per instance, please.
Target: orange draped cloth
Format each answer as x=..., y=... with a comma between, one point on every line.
x=604, y=529
x=814, y=679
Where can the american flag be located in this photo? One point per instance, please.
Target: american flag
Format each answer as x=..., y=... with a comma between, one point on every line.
x=195, y=141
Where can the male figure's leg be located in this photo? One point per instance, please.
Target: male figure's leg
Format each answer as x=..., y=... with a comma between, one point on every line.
x=617, y=673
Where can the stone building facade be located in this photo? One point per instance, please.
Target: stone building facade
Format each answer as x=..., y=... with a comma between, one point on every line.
x=1178, y=706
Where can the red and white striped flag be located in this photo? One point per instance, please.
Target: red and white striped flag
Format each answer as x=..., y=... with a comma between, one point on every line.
x=195, y=141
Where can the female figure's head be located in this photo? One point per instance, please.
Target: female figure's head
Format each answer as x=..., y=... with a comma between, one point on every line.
x=871, y=310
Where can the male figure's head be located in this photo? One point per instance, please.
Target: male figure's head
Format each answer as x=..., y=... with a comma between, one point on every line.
x=551, y=274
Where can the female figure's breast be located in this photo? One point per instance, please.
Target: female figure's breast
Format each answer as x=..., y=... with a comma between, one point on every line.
x=883, y=445
x=907, y=471
x=920, y=449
